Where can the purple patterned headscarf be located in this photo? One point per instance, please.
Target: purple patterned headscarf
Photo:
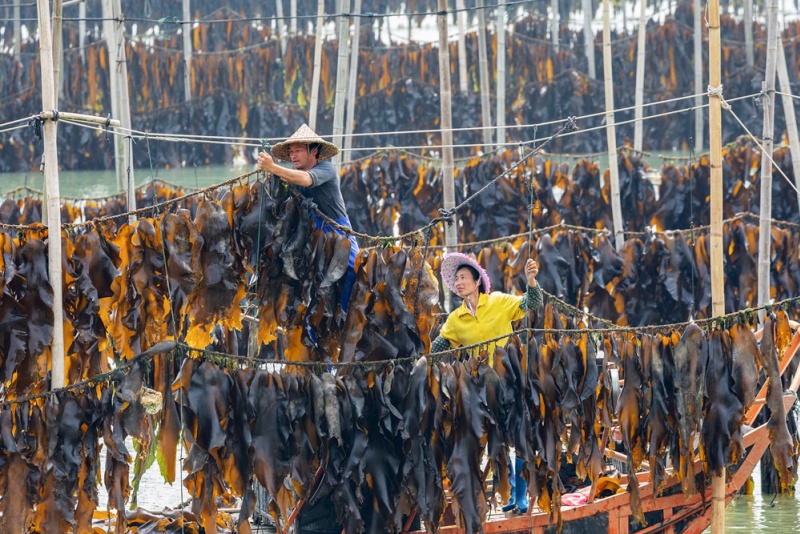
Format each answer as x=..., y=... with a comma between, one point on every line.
x=452, y=261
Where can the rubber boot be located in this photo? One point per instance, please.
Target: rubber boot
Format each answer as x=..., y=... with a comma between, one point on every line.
x=512, y=501
x=521, y=487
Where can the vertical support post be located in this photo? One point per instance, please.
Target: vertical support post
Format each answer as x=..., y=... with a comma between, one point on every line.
x=483, y=66
x=352, y=84
x=120, y=62
x=312, y=112
x=279, y=26
x=18, y=30
x=463, y=76
x=292, y=18
x=58, y=48
x=717, y=276
x=554, y=24
x=387, y=23
x=748, y=32
x=341, y=82
x=768, y=86
x=500, y=31
x=186, y=29
x=113, y=78
x=698, y=78
x=638, y=126
x=588, y=36
x=82, y=29
x=788, y=111
x=445, y=106
x=613, y=170
x=54, y=198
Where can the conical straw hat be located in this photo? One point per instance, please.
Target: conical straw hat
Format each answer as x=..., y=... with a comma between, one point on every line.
x=306, y=136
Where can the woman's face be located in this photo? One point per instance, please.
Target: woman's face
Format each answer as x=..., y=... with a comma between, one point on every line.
x=465, y=284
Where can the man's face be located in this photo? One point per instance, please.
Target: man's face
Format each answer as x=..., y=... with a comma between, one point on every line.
x=301, y=156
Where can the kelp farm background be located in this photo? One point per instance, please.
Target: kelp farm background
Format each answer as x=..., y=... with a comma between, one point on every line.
x=242, y=87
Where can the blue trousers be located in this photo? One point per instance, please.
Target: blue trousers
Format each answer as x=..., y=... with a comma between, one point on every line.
x=350, y=276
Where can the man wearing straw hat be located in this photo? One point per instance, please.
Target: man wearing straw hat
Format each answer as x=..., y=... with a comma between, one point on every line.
x=316, y=178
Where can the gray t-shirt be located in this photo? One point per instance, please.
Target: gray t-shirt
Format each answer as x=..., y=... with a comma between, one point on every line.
x=325, y=191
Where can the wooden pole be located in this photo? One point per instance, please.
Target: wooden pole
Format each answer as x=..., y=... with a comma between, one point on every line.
x=79, y=117
x=121, y=62
x=698, y=78
x=58, y=48
x=186, y=29
x=717, y=276
x=638, y=126
x=445, y=96
x=500, y=31
x=82, y=29
x=588, y=36
x=463, y=77
x=748, y=31
x=387, y=22
x=352, y=84
x=554, y=23
x=312, y=111
x=18, y=30
x=292, y=18
x=341, y=82
x=54, y=198
x=791, y=118
x=483, y=67
x=613, y=170
x=113, y=80
x=279, y=26
x=765, y=229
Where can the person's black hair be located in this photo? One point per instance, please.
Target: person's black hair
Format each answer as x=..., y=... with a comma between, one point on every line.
x=312, y=146
x=475, y=276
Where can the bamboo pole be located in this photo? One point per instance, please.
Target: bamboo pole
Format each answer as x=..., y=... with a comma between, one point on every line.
x=387, y=23
x=279, y=26
x=82, y=30
x=113, y=80
x=765, y=230
x=18, y=30
x=341, y=82
x=588, y=36
x=613, y=170
x=292, y=18
x=58, y=49
x=54, y=199
x=791, y=118
x=312, y=112
x=717, y=276
x=638, y=126
x=483, y=67
x=186, y=29
x=698, y=78
x=353, y=83
x=748, y=31
x=554, y=23
x=121, y=61
x=463, y=77
x=80, y=117
x=445, y=106
x=500, y=31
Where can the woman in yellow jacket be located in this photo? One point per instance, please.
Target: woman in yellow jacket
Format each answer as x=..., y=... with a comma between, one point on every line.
x=482, y=316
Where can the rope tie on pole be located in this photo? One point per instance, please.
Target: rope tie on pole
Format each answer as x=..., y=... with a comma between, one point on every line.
x=717, y=91
x=35, y=122
x=108, y=123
